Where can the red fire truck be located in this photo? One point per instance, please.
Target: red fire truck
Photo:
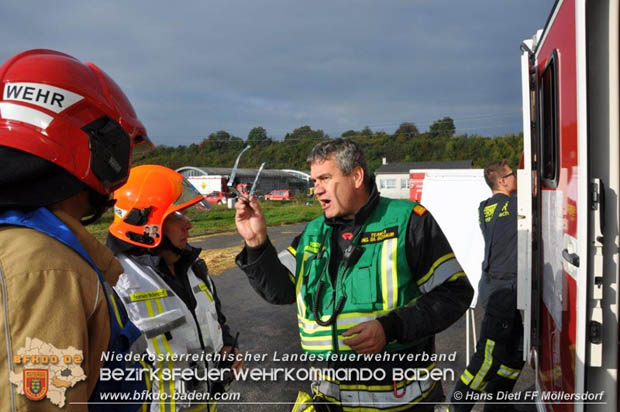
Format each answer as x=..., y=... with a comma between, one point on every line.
x=569, y=191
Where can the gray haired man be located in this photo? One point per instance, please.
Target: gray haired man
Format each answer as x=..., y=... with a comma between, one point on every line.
x=370, y=276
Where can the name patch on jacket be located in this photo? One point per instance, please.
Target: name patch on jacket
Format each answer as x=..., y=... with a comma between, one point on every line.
x=151, y=294
x=380, y=236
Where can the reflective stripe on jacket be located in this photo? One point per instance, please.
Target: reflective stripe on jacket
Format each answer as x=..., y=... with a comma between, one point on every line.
x=171, y=328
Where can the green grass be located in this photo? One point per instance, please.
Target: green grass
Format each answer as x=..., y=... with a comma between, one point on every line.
x=220, y=219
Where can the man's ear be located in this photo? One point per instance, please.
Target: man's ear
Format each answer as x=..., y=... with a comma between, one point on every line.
x=358, y=177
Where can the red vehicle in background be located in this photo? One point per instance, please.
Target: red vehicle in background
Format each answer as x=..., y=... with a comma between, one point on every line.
x=217, y=197
x=280, y=194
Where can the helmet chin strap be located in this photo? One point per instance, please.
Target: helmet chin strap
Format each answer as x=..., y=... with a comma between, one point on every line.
x=99, y=203
x=166, y=244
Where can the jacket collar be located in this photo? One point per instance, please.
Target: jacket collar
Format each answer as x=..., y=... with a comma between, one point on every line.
x=189, y=255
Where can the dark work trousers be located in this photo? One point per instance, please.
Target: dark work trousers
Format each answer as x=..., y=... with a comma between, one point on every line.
x=497, y=363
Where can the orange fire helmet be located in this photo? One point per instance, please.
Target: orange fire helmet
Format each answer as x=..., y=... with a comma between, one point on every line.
x=151, y=194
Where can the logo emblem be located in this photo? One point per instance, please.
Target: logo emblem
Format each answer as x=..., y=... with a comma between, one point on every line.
x=419, y=210
x=35, y=383
x=347, y=235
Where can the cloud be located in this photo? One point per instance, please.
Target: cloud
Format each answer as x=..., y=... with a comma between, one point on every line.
x=194, y=67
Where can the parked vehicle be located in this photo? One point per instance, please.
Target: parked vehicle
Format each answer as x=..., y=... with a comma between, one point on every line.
x=568, y=204
x=208, y=184
x=217, y=197
x=279, y=194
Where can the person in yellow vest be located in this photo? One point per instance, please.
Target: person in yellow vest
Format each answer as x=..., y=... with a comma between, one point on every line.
x=371, y=276
x=166, y=289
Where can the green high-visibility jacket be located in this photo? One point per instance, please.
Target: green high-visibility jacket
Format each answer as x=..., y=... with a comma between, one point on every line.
x=377, y=283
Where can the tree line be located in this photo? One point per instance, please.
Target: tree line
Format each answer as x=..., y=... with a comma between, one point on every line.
x=406, y=144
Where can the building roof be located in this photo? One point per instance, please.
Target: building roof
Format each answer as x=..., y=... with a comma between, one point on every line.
x=225, y=171
x=404, y=167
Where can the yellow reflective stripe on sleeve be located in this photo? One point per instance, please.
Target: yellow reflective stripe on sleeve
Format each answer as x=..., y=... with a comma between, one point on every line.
x=456, y=276
x=292, y=250
x=508, y=372
x=291, y=277
x=389, y=283
x=441, y=275
x=479, y=383
x=160, y=310
x=151, y=294
x=437, y=263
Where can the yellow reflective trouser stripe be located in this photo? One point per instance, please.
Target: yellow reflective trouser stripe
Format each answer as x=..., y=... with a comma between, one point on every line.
x=151, y=294
x=466, y=377
x=508, y=372
x=389, y=273
x=478, y=383
x=291, y=277
x=437, y=263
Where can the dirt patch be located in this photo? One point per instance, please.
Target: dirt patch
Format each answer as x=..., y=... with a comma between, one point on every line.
x=220, y=260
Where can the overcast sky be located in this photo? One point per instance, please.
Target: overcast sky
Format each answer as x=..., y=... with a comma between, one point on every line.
x=194, y=67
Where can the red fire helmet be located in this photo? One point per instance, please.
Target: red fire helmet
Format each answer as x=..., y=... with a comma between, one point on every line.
x=71, y=114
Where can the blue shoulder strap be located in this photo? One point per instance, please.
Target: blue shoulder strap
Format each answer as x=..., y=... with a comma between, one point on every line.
x=44, y=221
x=122, y=335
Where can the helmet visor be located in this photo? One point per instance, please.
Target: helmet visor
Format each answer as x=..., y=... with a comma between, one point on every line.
x=191, y=196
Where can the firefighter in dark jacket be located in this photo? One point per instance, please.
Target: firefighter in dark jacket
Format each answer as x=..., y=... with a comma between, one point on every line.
x=370, y=276
x=498, y=360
